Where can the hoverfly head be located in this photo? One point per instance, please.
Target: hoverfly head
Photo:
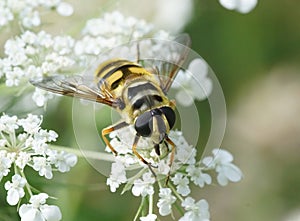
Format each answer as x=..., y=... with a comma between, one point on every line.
x=155, y=123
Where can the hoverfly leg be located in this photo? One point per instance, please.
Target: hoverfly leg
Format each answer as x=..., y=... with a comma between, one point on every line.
x=135, y=142
x=110, y=129
x=171, y=156
x=157, y=150
x=138, y=52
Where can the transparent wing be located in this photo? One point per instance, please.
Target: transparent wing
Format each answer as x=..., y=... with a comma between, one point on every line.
x=82, y=87
x=160, y=56
x=165, y=58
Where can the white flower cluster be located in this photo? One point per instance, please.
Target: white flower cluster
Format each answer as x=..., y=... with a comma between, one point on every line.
x=28, y=12
x=33, y=55
x=29, y=147
x=185, y=170
x=109, y=31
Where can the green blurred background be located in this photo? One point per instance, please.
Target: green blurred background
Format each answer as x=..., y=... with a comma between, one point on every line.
x=256, y=57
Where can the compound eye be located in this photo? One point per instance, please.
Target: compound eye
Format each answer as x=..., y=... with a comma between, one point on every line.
x=143, y=124
x=170, y=115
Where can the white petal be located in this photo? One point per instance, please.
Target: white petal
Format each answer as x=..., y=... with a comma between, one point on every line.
x=137, y=188
x=65, y=9
x=233, y=173
x=71, y=159
x=223, y=155
x=51, y=213
x=12, y=197
x=149, y=217
x=39, y=199
x=209, y=162
x=246, y=6
x=202, y=89
x=229, y=4
x=203, y=204
x=28, y=213
x=183, y=190
x=199, y=68
x=242, y=6
x=181, y=79
x=184, y=98
x=165, y=209
x=222, y=179
x=188, y=202
x=8, y=185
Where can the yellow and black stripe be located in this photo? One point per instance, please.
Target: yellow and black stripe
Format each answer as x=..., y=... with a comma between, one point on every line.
x=113, y=73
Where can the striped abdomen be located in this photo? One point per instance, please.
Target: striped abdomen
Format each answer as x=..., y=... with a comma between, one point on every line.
x=112, y=74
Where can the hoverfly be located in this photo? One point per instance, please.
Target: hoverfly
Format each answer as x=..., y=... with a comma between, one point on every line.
x=136, y=89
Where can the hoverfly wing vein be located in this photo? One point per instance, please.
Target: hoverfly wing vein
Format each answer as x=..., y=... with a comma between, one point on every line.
x=165, y=59
x=73, y=86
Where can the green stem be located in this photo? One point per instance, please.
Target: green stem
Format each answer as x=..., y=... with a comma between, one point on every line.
x=27, y=184
x=180, y=210
x=139, y=209
x=175, y=192
x=86, y=153
x=150, y=204
x=12, y=137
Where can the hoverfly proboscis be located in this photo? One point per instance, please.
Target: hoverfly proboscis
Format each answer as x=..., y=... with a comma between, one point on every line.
x=136, y=89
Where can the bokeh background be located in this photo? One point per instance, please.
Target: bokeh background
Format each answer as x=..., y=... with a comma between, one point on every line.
x=256, y=57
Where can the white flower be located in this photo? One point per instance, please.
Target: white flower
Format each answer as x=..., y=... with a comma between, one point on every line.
x=15, y=189
x=30, y=147
x=28, y=12
x=165, y=202
x=185, y=153
x=62, y=160
x=31, y=18
x=41, y=165
x=149, y=217
x=8, y=124
x=116, y=24
x=222, y=163
x=181, y=183
x=197, y=176
x=39, y=146
x=40, y=97
x=163, y=168
x=31, y=55
x=23, y=159
x=174, y=19
x=31, y=124
x=144, y=187
x=242, y=6
x=63, y=44
x=65, y=9
x=228, y=172
x=38, y=210
x=193, y=83
x=100, y=34
x=195, y=211
x=14, y=77
x=5, y=164
x=6, y=16
x=46, y=136
x=117, y=176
